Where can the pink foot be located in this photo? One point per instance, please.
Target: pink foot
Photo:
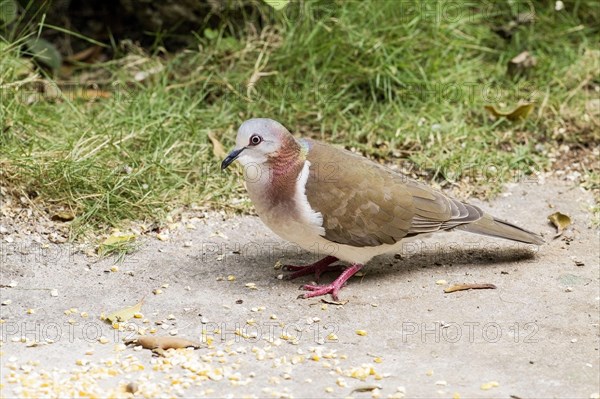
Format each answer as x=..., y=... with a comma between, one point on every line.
x=333, y=288
x=317, y=268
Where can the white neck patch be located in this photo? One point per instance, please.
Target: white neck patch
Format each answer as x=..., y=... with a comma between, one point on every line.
x=307, y=214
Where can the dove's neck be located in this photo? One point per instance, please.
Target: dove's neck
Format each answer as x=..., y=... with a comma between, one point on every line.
x=284, y=168
x=276, y=181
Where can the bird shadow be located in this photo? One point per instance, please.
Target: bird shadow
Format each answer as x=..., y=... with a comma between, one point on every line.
x=410, y=260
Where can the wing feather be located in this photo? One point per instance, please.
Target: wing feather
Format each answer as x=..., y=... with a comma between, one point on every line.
x=366, y=204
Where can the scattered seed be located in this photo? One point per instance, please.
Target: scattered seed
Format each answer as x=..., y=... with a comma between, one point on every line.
x=132, y=387
x=362, y=333
x=441, y=282
x=54, y=292
x=231, y=277
x=365, y=388
x=488, y=385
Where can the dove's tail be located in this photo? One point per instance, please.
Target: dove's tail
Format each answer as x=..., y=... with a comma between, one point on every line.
x=490, y=226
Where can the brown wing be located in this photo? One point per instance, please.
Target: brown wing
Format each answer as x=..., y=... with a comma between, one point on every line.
x=435, y=211
x=366, y=204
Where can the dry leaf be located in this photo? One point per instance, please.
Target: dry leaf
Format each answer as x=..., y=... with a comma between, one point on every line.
x=90, y=94
x=117, y=237
x=521, y=112
x=341, y=303
x=560, y=221
x=218, y=148
x=463, y=287
x=64, y=216
x=125, y=314
x=159, y=345
x=277, y=4
x=88, y=55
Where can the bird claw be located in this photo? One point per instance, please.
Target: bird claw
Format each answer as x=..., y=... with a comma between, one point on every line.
x=319, y=290
x=324, y=265
x=332, y=288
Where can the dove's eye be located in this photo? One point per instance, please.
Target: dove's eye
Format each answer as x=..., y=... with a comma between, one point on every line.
x=255, y=139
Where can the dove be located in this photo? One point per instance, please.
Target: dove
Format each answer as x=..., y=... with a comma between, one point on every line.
x=344, y=206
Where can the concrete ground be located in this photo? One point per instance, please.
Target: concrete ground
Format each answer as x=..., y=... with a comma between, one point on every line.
x=398, y=334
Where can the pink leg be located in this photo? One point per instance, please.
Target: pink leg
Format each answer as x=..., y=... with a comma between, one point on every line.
x=317, y=268
x=333, y=288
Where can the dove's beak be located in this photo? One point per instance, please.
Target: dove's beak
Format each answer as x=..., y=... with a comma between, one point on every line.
x=231, y=157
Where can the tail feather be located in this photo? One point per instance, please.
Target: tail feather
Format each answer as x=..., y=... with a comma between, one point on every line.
x=490, y=226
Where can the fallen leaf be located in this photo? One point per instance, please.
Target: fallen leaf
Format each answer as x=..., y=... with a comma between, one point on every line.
x=463, y=287
x=88, y=55
x=64, y=216
x=159, y=345
x=90, y=94
x=277, y=4
x=521, y=112
x=560, y=221
x=334, y=302
x=125, y=314
x=218, y=148
x=117, y=237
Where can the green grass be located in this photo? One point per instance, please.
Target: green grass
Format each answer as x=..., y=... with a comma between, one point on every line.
x=395, y=84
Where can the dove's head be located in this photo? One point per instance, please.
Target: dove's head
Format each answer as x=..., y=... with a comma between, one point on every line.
x=259, y=141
